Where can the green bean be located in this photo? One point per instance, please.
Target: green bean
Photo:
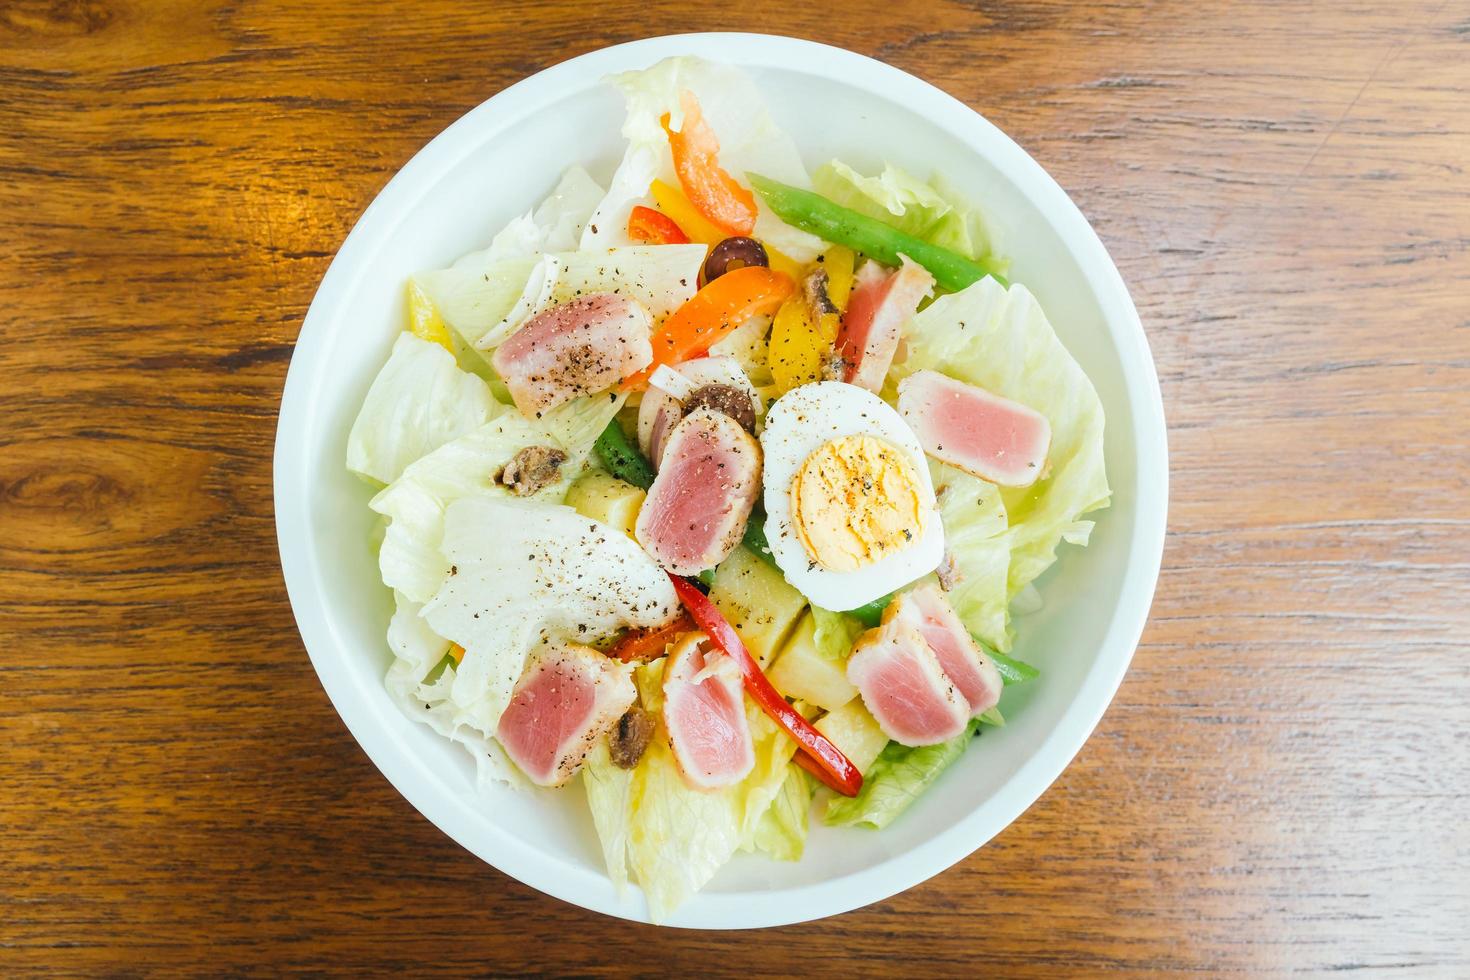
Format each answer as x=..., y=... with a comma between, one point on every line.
x=832, y=222
x=622, y=458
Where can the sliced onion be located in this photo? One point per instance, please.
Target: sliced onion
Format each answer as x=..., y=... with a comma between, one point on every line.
x=671, y=382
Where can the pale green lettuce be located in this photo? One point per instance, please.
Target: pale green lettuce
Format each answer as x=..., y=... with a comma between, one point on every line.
x=557, y=222
x=417, y=650
x=411, y=558
x=477, y=293
x=834, y=633
x=419, y=401
x=1000, y=340
x=481, y=288
x=782, y=830
x=934, y=211
x=979, y=549
x=899, y=776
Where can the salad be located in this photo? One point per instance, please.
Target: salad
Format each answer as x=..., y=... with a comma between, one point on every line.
x=718, y=488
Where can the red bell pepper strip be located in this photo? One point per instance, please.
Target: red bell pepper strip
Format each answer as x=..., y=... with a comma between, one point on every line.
x=837, y=770
x=654, y=227
x=650, y=644
x=815, y=768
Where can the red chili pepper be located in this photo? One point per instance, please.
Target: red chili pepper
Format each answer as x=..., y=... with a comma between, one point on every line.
x=837, y=770
x=650, y=644
x=815, y=768
x=654, y=227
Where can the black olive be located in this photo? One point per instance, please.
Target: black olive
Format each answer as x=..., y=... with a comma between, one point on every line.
x=732, y=254
x=727, y=399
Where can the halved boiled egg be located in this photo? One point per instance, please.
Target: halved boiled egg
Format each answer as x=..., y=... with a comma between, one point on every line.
x=850, y=512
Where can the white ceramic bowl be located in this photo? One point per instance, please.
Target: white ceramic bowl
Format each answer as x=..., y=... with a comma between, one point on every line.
x=500, y=159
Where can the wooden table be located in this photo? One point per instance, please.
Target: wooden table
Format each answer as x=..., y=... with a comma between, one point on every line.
x=1283, y=783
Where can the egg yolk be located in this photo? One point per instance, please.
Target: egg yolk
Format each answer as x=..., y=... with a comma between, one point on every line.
x=856, y=500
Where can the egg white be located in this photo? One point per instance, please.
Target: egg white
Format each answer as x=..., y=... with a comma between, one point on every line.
x=800, y=422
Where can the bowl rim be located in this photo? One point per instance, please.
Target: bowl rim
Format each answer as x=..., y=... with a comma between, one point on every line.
x=452, y=811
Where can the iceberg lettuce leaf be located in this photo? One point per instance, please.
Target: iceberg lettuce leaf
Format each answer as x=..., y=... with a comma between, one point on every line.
x=834, y=633
x=477, y=292
x=417, y=650
x=782, y=830
x=898, y=777
x=419, y=401
x=1000, y=340
x=979, y=549
x=411, y=557
x=609, y=791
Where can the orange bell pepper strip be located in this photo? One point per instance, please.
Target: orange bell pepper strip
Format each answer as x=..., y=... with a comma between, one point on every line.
x=710, y=314
x=652, y=228
x=710, y=188
x=650, y=644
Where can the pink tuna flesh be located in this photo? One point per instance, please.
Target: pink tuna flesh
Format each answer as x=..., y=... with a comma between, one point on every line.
x=992, y=437
x=960, y=657
x=902, y=684
x=704, y=711
x=567, y=698
x=873, y=324
x=576, y=348
x=696, y=510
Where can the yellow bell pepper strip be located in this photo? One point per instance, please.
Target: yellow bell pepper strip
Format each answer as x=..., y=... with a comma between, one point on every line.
x=709, y=187
x=672, y=202
x=713, y=312
x=832, y=222
x=457, y=652
x=832, y=767
x=838, y=261
x=784, y=263
x=797, y=350
x=649, y=227
x=424, y=321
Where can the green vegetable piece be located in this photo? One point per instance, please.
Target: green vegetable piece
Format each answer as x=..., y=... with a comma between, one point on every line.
x=899, y=777
x=871, y=613
x=755, y=539
x=622, y=458
x=1011, y=671
x=832, y=222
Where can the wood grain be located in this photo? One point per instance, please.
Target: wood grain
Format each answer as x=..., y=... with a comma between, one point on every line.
x=1283, y=783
